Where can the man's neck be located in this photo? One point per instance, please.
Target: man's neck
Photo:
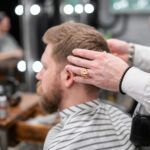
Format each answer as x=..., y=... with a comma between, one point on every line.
x=77, y=97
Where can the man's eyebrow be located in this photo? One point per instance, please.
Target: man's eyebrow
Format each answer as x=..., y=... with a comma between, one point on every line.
x=43, y=63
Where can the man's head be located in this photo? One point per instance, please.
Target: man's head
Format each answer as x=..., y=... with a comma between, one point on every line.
x=4, y=22
x=56, y=84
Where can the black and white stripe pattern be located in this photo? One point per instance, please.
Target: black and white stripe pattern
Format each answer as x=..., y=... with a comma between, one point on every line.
x=91, y=126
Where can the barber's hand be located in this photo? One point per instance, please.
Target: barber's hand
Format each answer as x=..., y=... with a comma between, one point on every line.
x=119, y=48
x=104, y=70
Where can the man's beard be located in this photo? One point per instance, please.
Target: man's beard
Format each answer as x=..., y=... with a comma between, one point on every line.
x=51, y=101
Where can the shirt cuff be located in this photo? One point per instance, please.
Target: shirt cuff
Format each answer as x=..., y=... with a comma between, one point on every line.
x=136, y=83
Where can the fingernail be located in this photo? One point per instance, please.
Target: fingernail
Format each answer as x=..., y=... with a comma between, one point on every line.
x=75, y=50
x=68, y=57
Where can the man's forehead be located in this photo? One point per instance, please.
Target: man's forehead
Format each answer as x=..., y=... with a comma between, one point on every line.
x=47, y=55
x=47, y=52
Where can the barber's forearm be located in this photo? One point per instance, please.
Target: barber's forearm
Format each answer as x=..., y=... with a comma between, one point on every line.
x=141, y=57
x=136, y=84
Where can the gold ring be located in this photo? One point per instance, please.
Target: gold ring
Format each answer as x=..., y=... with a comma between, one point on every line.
x=84, y=72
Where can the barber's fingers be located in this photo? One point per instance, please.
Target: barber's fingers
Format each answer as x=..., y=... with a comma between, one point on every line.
x=80, y=62
x=77, y=70
x=87, y=54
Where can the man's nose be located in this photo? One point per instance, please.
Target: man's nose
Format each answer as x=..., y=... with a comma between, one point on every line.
x=38, y=76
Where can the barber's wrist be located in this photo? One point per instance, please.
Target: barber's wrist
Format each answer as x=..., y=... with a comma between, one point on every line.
x=131, y=51
x=121, y=80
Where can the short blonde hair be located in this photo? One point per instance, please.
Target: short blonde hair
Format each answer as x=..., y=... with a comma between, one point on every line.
x=68, y=36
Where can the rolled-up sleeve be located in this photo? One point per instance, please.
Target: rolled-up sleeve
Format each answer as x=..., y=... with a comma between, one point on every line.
x=136, y=83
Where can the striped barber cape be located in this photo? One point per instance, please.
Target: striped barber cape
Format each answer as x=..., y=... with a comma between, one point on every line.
x=94, y=125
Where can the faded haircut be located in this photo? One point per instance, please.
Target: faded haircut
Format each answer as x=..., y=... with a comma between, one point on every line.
x=68, y=36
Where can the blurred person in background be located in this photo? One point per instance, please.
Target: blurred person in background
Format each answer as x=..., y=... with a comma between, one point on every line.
x=9, y=47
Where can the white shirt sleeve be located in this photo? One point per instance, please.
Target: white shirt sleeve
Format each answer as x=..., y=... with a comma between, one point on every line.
x=142, y=57
x=136, y=83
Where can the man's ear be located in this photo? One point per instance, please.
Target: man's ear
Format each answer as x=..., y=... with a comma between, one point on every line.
x=67, y=78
